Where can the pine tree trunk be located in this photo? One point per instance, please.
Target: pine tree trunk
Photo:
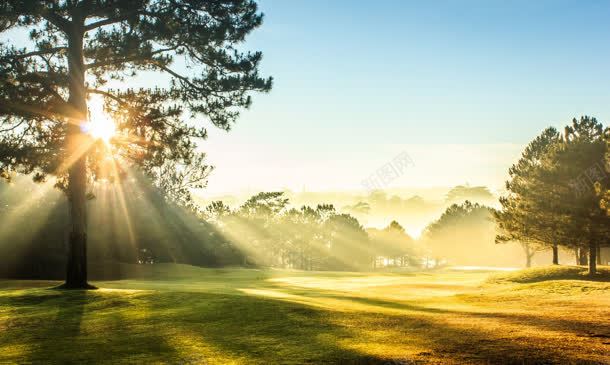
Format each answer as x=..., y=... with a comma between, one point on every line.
x=577, y=256
x=592, y=257
x=555, y=254
x=76, y=277
x=528, y=255
x=583, y=256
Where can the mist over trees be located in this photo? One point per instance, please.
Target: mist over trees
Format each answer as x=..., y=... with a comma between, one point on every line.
x=147, y=220
x=308, y=238
x=155, y=220
x=464, y=235
x=394, y=247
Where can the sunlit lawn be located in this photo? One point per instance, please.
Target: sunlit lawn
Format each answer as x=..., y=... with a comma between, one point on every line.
x=180, y=314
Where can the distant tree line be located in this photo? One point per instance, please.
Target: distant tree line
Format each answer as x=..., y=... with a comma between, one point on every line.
x=136, y=221
x=271, y=233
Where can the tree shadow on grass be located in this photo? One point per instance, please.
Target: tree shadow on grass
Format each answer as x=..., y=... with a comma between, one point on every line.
x=468, y=342
x=579, y=327
x=38, y=317
x=85, y=327
x=255, y=330
x=78, y=327
x=276, y=331
x=542, y=320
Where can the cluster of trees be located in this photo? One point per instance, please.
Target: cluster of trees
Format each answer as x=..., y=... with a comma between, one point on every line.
x=556, y=193
x=394, y=247
x=461, y=234
x=270, y=233
x=465, y=234
x=414, y=211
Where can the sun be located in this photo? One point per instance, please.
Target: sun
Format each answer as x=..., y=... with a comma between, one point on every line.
x=100, y=125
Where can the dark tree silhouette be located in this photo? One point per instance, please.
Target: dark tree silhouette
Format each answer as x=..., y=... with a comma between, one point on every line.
x=77, y=47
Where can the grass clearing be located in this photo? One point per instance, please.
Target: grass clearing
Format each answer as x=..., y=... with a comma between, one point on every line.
x=180, y=314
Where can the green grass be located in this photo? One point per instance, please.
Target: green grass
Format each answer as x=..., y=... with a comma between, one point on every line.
x=551, y=273
x=186, y=315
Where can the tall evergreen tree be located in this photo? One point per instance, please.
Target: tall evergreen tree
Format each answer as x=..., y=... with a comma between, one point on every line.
x=574, y=168
x=79, y=47
x=552, y=198
x=525, y=216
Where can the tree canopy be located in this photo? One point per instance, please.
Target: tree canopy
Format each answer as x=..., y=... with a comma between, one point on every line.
x=194, y=45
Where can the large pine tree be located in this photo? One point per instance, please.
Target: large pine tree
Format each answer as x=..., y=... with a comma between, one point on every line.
x=527, y=214
x=575, y=167
x=552, y=198
x=189, y=50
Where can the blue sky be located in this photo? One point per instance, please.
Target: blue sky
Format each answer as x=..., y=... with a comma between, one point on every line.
x=399, y=71
x=359, y=81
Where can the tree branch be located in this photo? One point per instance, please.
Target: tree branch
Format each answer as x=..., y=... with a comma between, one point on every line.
x=118, y=19
x=33, y=53
x=109, y=95
x=128, y=59
x=59, y=21
x=25, y=110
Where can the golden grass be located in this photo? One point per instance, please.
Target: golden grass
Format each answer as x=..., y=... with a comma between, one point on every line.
x=179, y=314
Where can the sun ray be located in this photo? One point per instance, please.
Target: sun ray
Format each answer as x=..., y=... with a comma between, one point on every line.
x=120, y=195
x=26, y=206
x=83, y=146
x=142, y=183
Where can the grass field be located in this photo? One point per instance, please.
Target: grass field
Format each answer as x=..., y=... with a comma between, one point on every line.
x=186, y=315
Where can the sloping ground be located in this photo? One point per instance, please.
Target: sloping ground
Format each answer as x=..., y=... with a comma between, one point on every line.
x=547, y=273
x=188, y=315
